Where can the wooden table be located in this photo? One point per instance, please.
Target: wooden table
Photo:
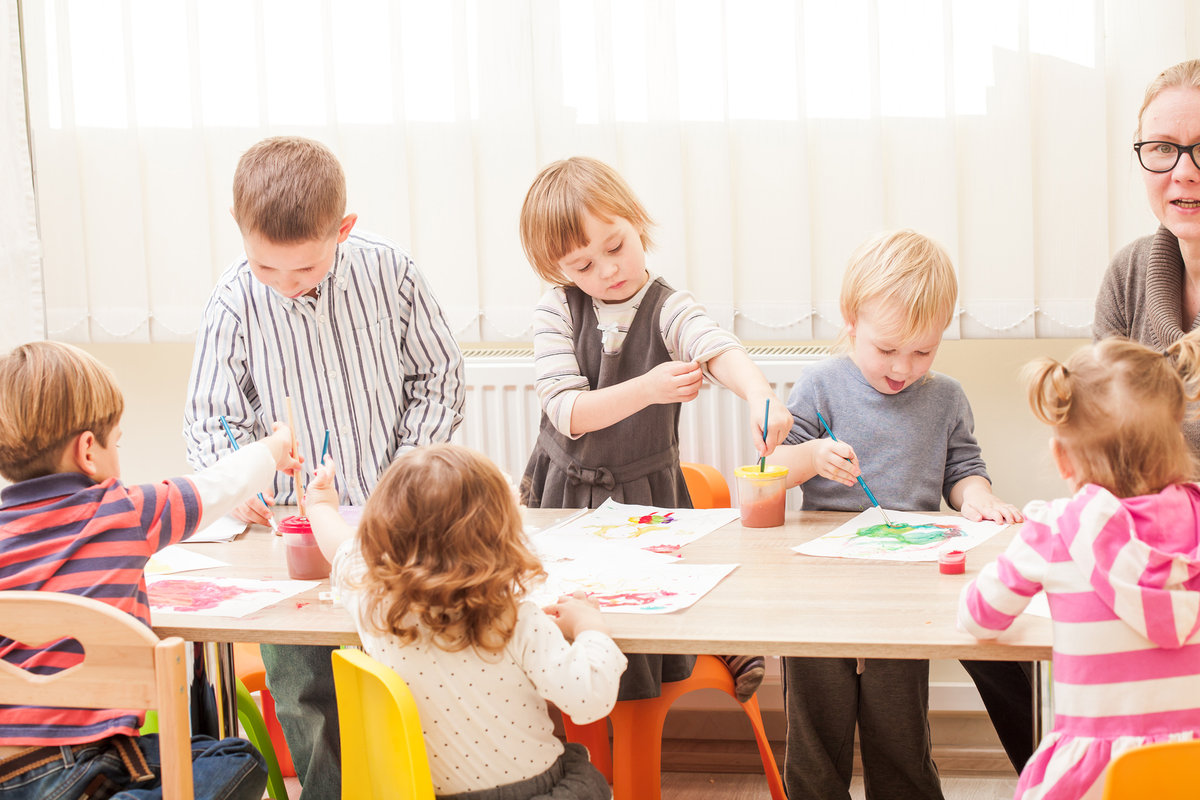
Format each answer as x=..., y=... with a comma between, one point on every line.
x=776, y=602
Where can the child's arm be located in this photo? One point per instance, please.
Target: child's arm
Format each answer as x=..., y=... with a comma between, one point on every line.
x=236, y=475
x=321, y=505
x=990, y=603
x=576, y=613
x=733, y=368
x=973, y=497
x=669, y=382
x=836, y=461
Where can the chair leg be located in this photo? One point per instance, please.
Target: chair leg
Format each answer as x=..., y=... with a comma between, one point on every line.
x=256, y=732
x=593, y=736
x=637, y=748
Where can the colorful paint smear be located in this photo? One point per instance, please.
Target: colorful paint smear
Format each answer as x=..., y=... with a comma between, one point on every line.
x=903, y=534
x=910, y=537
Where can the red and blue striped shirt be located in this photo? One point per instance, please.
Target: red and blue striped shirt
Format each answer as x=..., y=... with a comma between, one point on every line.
x=64, y=533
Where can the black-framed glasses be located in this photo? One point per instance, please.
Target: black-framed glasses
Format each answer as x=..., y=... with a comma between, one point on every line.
x=1163, y=156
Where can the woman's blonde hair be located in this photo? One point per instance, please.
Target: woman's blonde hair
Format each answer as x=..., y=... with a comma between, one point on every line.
x=1117, y=408
x=1184, y=74
x=554, y=207
x=908, y=270
x=51, y=392
x=445, y=551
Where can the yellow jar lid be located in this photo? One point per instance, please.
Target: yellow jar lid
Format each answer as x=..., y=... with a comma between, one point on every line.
x=752, y=472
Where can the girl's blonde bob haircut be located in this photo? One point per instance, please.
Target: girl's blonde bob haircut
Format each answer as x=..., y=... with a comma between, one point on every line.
x=911, y=275
x=1185, y=74
x=554, y=208
x=445, y=551
x=1117, y=407
x=51, y=392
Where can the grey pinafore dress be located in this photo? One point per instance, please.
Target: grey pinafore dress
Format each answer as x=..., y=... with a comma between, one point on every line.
x=633, y=461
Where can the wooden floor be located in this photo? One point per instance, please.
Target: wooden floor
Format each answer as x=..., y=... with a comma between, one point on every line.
x=728, y=786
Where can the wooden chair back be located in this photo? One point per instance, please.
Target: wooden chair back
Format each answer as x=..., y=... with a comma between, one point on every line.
x=124, y=666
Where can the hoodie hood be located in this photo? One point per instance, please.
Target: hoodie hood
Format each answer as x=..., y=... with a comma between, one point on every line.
x=1141, y=555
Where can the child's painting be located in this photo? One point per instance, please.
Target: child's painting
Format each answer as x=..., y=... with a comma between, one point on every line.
x=641, y=588
x=910, y=537
x=661, y=530
x=218, y=597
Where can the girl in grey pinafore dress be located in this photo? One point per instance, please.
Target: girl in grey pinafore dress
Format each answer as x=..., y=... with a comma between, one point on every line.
x=633, y=461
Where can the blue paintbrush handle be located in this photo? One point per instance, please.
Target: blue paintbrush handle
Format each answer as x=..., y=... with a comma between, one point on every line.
x=233, y=442
x=861, y=482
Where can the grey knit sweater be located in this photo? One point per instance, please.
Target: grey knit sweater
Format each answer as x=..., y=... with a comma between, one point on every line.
x=1141, y=298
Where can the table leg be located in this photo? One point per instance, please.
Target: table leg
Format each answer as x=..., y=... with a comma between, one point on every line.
x=1043, y=701
x=213, y=689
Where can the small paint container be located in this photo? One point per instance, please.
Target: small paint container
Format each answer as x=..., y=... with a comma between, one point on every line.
x=304, y=559
x=761, y=495
x=952, y=562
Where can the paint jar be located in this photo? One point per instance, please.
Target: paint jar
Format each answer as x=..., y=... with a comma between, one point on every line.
x=761, y=495
x=952, y=562
x=304, y=559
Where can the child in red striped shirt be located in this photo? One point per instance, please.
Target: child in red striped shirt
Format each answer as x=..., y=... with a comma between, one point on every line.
x=1119, y=561
x=68, y=524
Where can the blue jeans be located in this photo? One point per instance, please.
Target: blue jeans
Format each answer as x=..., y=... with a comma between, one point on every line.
x=229, y=769
x=300, y=678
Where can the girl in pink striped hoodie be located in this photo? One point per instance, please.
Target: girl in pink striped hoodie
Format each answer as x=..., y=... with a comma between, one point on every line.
x=1119, y=561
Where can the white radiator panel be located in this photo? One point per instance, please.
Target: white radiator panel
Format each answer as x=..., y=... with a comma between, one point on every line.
x=502, y=414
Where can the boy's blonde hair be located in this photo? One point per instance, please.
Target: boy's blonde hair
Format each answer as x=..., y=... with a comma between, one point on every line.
x=911, y=273
x=444, y=544
x=1117, y=408
x=553, y=211
x=51, y=392
x=1184, y=74
x=289, y=190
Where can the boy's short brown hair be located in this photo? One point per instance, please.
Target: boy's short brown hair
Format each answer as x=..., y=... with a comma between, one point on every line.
x=289, y=190
x=552, y=215
x=49, y=393
x=912, y=273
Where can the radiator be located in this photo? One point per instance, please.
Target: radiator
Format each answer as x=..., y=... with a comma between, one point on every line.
x=502, y=411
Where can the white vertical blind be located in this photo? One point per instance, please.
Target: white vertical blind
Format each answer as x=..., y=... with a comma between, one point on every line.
x=767, y=138
x=21, y=312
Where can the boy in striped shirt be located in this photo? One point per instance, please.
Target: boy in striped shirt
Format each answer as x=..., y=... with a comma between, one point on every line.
x=68, y=524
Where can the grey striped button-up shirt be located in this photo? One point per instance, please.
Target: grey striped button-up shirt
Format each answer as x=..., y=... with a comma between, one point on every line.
x=370, y=359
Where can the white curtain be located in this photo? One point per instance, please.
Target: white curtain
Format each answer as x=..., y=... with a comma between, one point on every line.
x=767, y=138
x=21, y=311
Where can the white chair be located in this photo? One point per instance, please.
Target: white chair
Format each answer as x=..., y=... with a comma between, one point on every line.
x=124, y=666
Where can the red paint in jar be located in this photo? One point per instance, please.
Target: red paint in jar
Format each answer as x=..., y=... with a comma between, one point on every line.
x=761, y=495
x=952, y=562
x=304, y=559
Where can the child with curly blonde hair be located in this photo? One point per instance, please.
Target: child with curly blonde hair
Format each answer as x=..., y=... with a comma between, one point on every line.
x=1119, y=561
x=434, y=578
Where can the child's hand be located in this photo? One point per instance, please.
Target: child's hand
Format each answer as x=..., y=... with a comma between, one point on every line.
x=988, y=506
x=322, y=490
x=673, y=382
x=280, y=445
x=779, y=423
x=835, y=461
x=254, y=512
x=576, y=613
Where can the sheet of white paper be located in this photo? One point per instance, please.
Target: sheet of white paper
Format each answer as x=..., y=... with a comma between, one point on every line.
x=627, y=588
x=179, y=559
x=222, y=529
x=912, y=537
x=646, y=527
x=218, y=597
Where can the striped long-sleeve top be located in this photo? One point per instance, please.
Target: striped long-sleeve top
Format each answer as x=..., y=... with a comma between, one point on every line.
x=64, y=533
x=689, y=333
x=370, y=358
x=1122, y=576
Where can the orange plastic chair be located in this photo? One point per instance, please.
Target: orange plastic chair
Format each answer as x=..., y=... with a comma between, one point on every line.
x=248, y=666
x=633, y=764
x=1166, y=771
x=383, y=748
x=706, y=485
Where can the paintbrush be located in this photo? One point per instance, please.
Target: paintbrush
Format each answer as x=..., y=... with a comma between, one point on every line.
x=299, y=474
x=861, y=482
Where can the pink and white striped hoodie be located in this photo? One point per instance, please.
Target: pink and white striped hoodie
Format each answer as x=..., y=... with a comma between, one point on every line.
x=1122, y=577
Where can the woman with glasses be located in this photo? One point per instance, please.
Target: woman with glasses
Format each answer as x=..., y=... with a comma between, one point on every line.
x=1151, y=291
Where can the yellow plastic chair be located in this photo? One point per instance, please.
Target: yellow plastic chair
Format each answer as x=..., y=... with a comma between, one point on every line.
x=124, y=666
x=383, y=749
x=1166, y=771
x=706, y=485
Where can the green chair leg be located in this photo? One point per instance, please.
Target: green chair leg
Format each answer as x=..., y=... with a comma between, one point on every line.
x=256, y=731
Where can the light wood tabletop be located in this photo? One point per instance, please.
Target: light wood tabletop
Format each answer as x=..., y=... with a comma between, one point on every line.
x=775, y=603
